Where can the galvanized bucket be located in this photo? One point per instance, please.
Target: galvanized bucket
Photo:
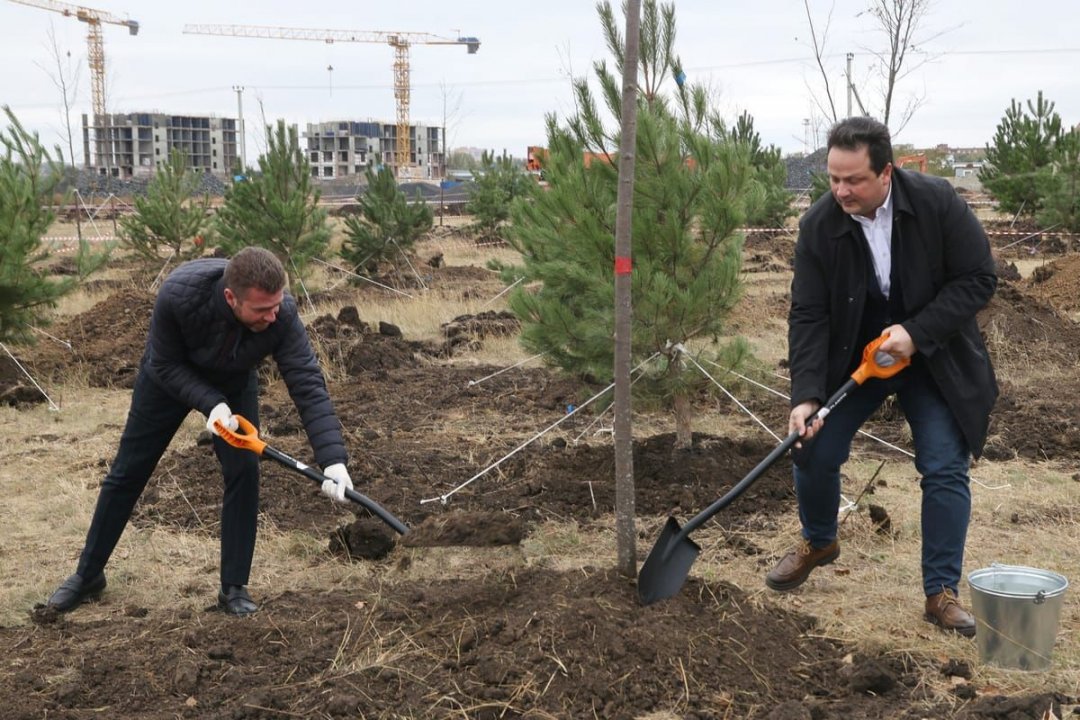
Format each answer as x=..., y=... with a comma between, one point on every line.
x=1017, y=610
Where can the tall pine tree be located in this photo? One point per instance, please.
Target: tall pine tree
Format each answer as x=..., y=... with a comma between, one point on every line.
x=276, y=208
x=691, y=189
x=29, y=177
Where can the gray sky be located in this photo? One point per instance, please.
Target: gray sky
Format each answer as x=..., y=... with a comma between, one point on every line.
x=755, y=56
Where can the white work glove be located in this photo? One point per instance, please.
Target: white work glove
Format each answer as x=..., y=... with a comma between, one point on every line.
x=221, y=412
x=334, y=488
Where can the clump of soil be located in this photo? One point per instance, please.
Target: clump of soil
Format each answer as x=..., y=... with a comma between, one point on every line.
x=364, y=539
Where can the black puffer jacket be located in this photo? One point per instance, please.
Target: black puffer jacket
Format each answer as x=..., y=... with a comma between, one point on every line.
x=196, y=349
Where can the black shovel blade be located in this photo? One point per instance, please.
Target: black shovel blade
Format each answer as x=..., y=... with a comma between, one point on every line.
x=667, y=566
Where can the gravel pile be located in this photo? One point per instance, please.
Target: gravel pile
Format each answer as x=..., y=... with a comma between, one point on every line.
x=800, y=169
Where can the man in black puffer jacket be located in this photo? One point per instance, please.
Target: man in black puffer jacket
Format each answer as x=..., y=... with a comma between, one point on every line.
x=214, y=321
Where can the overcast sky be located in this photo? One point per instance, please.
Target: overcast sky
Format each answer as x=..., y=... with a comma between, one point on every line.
x=755, y=56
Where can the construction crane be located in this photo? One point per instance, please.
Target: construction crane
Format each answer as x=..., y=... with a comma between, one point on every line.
x=400, y=41
x=94, y=39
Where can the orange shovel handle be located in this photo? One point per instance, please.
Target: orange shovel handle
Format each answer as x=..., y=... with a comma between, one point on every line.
x=878, y=363
x=245, y=437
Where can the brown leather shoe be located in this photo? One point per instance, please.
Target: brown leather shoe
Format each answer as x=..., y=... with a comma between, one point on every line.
x=795, y=567
x=945, y=611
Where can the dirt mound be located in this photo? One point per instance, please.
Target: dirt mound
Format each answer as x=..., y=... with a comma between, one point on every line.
x=769, y=251
x=534, y=642
x=1033, y=420
x=107, y=341
x=1057, y=283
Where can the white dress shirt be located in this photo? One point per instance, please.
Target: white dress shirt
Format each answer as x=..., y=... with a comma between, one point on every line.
x=878, y=233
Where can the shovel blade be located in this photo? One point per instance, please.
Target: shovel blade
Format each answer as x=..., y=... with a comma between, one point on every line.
x=665, y=570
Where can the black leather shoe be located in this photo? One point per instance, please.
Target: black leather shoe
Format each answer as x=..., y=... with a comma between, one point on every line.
x=796, y=566
x=234, y=599
x=73, y=591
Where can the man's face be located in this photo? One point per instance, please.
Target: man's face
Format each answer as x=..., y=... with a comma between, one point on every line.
x=854, y=184
x=256, y=309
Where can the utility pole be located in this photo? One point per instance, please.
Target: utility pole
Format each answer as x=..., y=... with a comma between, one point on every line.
x=850, y=87
x=806, y=136
x=240, y=122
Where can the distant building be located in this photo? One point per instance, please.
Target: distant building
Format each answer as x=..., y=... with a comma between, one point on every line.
x=344, y=148
x=134, y=144
x=967, y=169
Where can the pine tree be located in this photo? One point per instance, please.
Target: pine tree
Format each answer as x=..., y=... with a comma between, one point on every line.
x=690, y=194
x=769, y=202
x=388, y=224
x=276, y=208
x=1024, y=143
x=171, y=214
x=1058, y=186
x=499, y=181
x=29, y=177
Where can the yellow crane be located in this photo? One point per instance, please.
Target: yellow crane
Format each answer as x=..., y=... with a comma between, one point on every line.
x=400, y=41
x=95, y=40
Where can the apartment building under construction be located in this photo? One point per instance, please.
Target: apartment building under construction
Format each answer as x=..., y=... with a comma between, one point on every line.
x=133, y=144
x=345, y=148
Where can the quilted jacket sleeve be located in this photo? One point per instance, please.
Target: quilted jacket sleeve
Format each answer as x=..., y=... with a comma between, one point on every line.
x=307, y=387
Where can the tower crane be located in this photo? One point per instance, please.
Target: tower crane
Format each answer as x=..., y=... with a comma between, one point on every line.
x=400, y=41
x=95, y=40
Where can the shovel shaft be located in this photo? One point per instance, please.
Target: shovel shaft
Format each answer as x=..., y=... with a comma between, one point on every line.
x=313, y=474
x=759, y=470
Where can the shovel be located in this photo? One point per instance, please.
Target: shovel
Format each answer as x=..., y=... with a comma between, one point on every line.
x=667, y=566
x=246, y=437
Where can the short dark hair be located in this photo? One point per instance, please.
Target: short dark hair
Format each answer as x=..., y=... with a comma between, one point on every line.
x=254, y=267
x=854, y=133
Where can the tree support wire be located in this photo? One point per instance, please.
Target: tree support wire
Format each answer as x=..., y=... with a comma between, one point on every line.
x=19, y=365
x=886, y=443
x=443, y=498
x=505, y=369
x=365, y=279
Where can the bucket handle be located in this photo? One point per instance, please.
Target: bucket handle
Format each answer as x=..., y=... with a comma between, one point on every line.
x=1040, y=597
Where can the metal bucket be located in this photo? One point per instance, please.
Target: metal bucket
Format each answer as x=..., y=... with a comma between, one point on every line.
x=1017, y=610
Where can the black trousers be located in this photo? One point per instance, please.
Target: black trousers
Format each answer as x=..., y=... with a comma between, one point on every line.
x=152, y=421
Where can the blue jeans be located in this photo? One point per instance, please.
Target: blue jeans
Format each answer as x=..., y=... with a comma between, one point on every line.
x=941, y=457
x=152, y=421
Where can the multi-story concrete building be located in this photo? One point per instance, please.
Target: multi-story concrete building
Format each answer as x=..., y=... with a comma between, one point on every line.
x=342, y=148
x=133, y=144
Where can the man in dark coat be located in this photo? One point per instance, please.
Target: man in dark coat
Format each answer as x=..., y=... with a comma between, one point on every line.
x=213, y=322
x=896, y=253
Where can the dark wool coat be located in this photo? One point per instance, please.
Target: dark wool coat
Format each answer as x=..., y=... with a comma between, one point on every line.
x=947, y=276
x=197, y=351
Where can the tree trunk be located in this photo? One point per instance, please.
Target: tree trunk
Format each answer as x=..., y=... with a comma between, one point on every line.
x=684, y=436
x=625, y=534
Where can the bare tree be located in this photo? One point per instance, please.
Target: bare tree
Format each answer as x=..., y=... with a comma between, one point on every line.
x=902, y=24
x=819, y=42
x=66, y=80
x=900, y=21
